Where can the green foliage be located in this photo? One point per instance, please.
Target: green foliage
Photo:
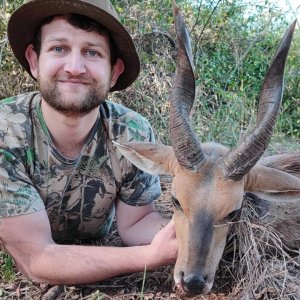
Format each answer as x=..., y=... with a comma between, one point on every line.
x=233, y=43
x=98, y=296
x=232, y=55
x=232, y=51
x=7, y=271
x=13, y=79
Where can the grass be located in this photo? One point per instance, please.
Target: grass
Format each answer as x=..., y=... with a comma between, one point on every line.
x=143, y=284
x=7, y=269
x=98, y=296
x=264, y=268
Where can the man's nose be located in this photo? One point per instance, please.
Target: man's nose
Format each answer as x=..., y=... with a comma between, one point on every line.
x=75, y=64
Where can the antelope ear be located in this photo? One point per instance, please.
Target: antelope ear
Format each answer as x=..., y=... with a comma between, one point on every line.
x=149, y=157
x=271, y=180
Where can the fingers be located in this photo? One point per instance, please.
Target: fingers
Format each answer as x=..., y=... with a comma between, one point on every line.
x=170, y=227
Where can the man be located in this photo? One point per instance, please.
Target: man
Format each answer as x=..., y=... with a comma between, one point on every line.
x=60, y=176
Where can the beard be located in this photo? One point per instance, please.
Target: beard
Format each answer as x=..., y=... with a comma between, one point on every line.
x=73, y=104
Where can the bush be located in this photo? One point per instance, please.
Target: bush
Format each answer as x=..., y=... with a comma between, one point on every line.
x=232, y=45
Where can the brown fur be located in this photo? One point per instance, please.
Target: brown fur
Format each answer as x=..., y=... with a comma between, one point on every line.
x=288, y=162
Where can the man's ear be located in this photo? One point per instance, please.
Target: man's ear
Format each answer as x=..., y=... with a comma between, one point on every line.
x=32, y=59
x=117, y=70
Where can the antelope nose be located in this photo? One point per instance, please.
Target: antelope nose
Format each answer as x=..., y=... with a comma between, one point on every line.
x=193, y=283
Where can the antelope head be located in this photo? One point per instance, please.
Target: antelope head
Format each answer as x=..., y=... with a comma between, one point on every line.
x=209, y=180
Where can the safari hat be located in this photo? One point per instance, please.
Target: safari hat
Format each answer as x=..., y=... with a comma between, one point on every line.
x=25, y=21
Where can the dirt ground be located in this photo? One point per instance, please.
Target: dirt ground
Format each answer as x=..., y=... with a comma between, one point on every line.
x=145, y=285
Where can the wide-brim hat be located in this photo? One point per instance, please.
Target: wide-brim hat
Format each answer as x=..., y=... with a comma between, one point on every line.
x=25, y=21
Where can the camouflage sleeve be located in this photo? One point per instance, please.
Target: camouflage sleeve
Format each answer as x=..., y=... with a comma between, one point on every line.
x=135, y=187
x=17, y=194
x=139, y=188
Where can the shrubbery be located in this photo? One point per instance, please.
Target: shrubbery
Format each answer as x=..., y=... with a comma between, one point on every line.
x=233, y=44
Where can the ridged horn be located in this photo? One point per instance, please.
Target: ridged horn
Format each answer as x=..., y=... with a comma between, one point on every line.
x=245, y=155
x=183, y=139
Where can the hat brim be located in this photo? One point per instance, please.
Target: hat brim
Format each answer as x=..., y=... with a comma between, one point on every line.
x=25, y=21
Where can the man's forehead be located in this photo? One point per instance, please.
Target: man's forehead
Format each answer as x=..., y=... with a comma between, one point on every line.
x=67, y=20
x=59, y=29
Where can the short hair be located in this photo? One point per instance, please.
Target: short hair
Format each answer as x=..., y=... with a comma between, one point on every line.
x=81, y=22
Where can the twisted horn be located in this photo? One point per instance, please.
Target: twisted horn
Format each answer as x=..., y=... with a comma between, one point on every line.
x=184, y=141
x=244, y=156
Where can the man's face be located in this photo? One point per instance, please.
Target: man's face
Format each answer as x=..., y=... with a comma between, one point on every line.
x=73, y=69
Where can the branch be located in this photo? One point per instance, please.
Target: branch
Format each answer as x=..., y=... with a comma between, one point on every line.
x=198, y=16
x=207, y=22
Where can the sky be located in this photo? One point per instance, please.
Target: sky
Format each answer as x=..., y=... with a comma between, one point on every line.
x=294, y=4
x=291, y=6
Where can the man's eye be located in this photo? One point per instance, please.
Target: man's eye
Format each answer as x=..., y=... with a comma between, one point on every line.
x=57, y=49
x=176, y=203
x=92, y=53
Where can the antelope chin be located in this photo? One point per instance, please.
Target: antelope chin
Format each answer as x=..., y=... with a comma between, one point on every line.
x=207, y=287
x=177, y=280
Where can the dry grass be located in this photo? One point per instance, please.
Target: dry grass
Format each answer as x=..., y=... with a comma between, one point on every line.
x=261, y=266
x=255, y=265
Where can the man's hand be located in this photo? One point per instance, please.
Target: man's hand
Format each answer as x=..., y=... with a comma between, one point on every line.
x=164, y=245
x=143, y=225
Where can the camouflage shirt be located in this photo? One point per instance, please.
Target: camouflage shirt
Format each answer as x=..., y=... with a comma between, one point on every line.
x=78, y=194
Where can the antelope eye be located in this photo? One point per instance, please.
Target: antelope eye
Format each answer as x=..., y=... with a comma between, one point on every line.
x=176, y=203
x=234, y=215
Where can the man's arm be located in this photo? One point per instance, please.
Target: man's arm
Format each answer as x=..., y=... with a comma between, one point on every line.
x=137, y=225
x=28, y=240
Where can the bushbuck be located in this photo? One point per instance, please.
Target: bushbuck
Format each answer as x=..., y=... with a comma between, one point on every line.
x=210, y=180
